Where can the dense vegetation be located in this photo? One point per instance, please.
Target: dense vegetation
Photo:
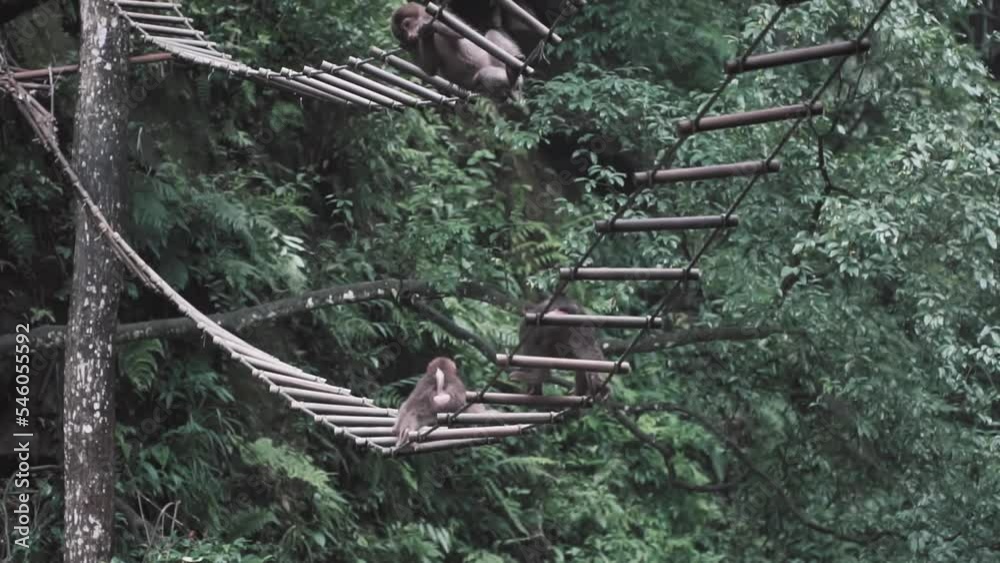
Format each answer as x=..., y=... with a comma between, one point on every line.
x=849, y=415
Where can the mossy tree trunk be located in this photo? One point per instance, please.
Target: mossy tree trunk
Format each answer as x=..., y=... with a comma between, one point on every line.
x=100, y=158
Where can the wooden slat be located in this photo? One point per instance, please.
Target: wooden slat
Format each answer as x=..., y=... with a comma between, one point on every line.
x=370, y=84
x=351, y=87
x=711, y=172
x=498, y=418
x=156, y=17
x=155, y=29
x=284, y=380
x=441, y=433
x=571, y=364
x=441, y=445
x=413, y=70
x=538, y=27
x=336, y=399
x=326, y=408
x=356, y=420
x=795, y=56
x=666, y=224
x=596, y=321
x=756, y=117
x=146, y=4
x=541, y=401
x=628, y=274
x=400, y=82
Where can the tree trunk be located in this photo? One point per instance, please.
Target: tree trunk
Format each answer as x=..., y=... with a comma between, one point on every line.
x=100, y=159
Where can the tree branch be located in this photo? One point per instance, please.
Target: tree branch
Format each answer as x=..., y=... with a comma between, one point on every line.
x=54, y=336
x=737, y=451
x=674, y=339
x=452, y=328
x=667, y=453
x=478, y=342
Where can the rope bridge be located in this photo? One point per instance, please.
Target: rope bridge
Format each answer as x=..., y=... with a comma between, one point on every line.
x=360, y=84
x=367, y=425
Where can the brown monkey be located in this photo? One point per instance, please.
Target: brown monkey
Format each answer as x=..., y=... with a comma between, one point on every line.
x=439, y=49
x=439, y=390
x=560, y=342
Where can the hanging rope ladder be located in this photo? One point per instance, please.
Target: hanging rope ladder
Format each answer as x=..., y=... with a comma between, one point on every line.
x=359, y=419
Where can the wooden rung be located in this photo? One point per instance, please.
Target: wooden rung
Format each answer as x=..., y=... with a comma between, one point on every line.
x=439, y=433
x=628, y=274
x=146, y=4
x=666, y=224
x=542, y=401
x=279, y=368
x=336, y=399
x=169, y=30
x=794, y=56
x=356, y=420
x=244, y=350
x=712, y=172
x=571, y=364
x=414, y=70
x=325, y=408
x=378, y=441
x=399, y=82
x=302, y=89
x=171, y=43
x=498, y=418
x=532, y=22
x=284, y=380
x=756, y=117
x=191, y=42
x=351, y=87
x=485, y=44
x=370, y=84
x=328, y=89
x=441, y=445
x=156, y=17
x=596, y=321
x=366, y=430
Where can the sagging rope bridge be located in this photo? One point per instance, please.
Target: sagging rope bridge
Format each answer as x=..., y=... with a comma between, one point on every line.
x=366, y=424
x=365, y=84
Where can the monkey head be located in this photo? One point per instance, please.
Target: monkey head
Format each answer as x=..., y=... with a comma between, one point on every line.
x=407, y=22
x=562, y=305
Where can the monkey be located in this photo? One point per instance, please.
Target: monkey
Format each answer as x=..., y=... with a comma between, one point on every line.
x=560, y=342
x=439, y=390
x=523, y=34
x=440, y=49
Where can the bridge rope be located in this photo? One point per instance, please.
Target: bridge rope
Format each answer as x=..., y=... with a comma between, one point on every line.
x=687, y=273
x=359, y=84
x=332, y=406
x=367, y=425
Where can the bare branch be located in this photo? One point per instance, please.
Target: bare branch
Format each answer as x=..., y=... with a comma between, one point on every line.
x=761, y=474
x=53, y=336
x=452, y=328
x=666, y=340
x=668, y=453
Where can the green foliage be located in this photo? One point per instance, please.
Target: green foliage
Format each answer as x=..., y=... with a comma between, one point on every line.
x=869, y=416
x=193, y=551
x=138, y=362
